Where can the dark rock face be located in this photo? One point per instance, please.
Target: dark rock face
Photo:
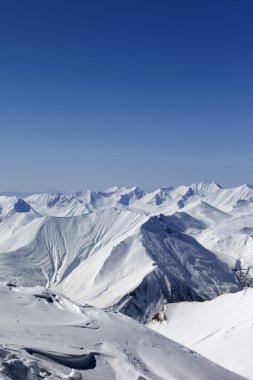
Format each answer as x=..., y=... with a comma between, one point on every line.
x=21, y=206
x=185, y=271
x=153, y=293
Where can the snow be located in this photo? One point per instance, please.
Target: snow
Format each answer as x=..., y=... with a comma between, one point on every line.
x=220, y=329
x=129, y=251
x=96, y=246
x=106, y=276
x=61, y=340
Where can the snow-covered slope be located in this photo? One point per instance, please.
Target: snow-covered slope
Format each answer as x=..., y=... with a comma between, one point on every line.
x=60, y=244
x=224, y=199
x=57, y=204
x=127, y=251
x=115, y=258
x=158, y=264
x=221, y=329
x=112, y=249
x=45, y=336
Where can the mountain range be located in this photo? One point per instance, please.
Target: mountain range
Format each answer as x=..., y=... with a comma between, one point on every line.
x=128, y=251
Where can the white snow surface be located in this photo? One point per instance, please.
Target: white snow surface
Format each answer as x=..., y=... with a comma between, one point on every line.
x=45, y=336
x=220, y=329
x=127, y=249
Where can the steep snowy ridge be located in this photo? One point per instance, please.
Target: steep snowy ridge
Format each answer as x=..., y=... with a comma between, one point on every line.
x=60, y=244
x=224, y=199
x=183, y=270
x=57, y=204
x=199, y=190
x=11, y=205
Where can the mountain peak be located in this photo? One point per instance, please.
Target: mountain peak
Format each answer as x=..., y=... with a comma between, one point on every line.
x=206, y=185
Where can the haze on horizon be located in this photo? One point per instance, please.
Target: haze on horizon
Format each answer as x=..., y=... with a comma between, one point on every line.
x=96, y=94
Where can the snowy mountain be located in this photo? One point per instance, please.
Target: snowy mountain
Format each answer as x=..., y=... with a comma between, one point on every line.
x=46, y=336
x=126, y=249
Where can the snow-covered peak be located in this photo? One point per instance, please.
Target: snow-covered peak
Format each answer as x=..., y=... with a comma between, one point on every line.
x=205, y=187
x=60, y=205
x=12, y=205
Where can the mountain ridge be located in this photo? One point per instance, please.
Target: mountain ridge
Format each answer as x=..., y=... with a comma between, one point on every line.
x=62, y=240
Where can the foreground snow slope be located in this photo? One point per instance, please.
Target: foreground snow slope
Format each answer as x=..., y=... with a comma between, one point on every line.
x=45, y=336
x=221, y=329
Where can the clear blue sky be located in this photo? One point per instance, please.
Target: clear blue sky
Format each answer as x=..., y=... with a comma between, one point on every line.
x=101, y=93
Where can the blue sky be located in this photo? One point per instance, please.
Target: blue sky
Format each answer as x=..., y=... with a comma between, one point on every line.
x=102, y=93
